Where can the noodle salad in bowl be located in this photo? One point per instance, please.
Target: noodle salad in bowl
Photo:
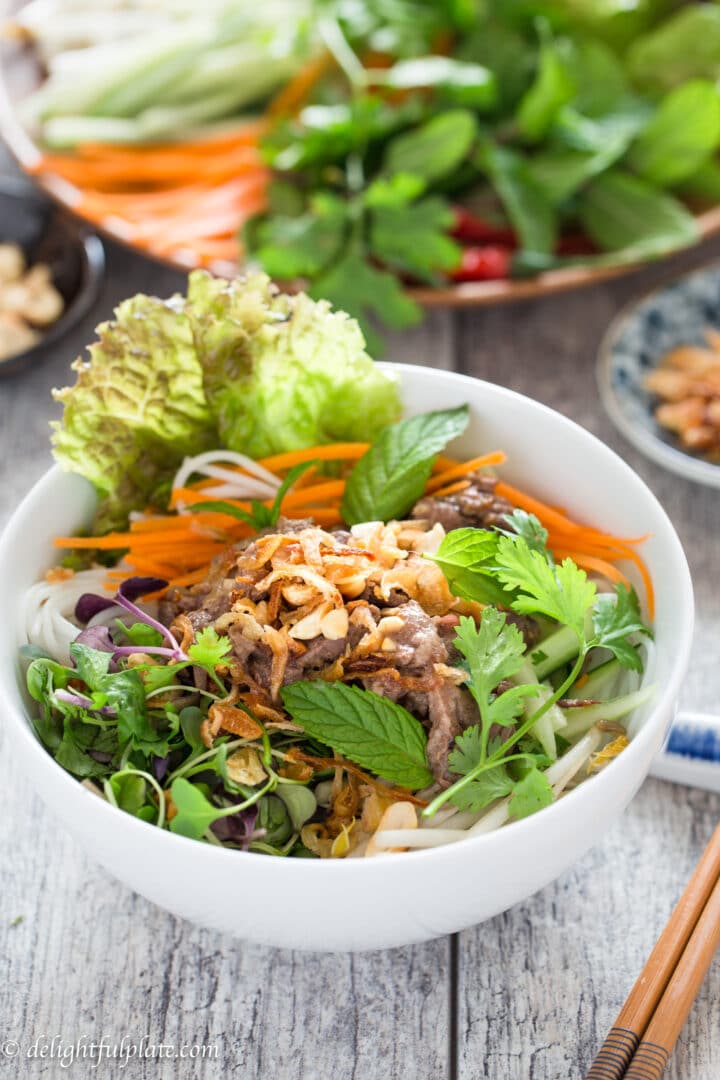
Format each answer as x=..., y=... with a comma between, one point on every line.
x=302, y=625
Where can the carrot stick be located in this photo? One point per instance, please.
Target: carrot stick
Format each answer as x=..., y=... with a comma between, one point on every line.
x=463, y=469
x=332, y=489
x=294, y=93
x=589, y=562
x=451, y=489
x=330, y=452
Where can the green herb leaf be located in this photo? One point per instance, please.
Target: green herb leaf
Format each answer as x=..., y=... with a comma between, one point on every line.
x=92, y=665
x=492, y=784
x=195, y=813
x=562, y=592
x=614, y=619
x=681, y=136
x=530, y=794
x=493, y=651
x=301, y=245
x=532, y=531
x=527, y=207
x=209, y=648
x=393, y=473
x=411, y=236
x=625, y=215
x=433, y=149
x=553, y=87
x=140, y=633
x=685, y=46
x=354, y=285
x=370, y=730
x=466, y=558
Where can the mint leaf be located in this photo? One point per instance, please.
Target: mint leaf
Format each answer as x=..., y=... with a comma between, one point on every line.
x=627, y=216
x=681, y=136
x=466, y=558
x=561, y=592
x=614, y=619
x=392, y=475
x=209, y=649
x=530, y=794
x=433, y=149
x=371, y=731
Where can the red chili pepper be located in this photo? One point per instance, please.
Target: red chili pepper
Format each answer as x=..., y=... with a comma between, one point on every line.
x=473, y=230
x=488, y=263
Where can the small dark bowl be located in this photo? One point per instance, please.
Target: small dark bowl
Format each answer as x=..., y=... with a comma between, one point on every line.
x=46, y=234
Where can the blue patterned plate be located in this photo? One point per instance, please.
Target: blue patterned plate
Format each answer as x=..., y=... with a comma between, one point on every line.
x=635, y=343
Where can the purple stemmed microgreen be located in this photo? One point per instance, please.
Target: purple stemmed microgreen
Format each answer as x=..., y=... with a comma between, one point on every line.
x=80, y=701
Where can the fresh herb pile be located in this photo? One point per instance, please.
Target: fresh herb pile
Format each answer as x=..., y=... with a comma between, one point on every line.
x=119, y=715
x=465, y=141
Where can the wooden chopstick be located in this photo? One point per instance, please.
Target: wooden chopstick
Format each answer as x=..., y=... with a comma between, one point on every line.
x=674, y=971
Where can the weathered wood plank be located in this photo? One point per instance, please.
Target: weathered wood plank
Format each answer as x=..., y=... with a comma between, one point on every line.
x=540, y=985
x=92, y=958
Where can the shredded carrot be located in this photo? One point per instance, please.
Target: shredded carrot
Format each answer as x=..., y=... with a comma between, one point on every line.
x=294, y=93
x=451, y=489
x=329, y=452
x=464, y=469
x=589, y=562
x=332, y=489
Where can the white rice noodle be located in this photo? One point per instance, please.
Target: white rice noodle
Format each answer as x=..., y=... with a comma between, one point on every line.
x=46, y=616
x=260, y=484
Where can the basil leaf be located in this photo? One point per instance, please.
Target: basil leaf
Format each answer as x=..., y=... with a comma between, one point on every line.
x=371, y=731
x=681, y=136
x=434, y=149
x=623, y=214
x=392, y=475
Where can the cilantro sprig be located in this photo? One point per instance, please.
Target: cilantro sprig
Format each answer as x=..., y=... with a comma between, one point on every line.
x=534, y=586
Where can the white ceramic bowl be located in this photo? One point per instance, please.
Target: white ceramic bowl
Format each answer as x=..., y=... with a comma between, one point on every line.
x=398, y=898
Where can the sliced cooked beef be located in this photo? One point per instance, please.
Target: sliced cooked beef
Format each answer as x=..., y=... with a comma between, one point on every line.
x=477, y=506
x=444, y=708
x=418, y=645
x=450, y=709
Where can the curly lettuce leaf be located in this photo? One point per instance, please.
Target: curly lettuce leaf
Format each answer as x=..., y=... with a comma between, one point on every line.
x=284, y=372
x=136, y=410
x=235, y=364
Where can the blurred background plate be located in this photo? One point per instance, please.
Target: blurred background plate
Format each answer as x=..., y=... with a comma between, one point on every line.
x=20, y=73
x=634, y=345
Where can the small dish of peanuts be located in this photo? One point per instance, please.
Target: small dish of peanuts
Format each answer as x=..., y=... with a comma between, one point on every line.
x=659, y=375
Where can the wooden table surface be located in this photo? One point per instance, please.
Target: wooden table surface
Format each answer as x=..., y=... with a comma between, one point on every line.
x=528, y=995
